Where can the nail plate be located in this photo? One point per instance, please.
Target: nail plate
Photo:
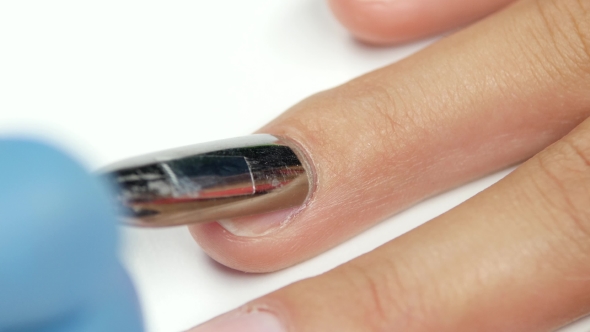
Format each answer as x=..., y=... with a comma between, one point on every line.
x=222, y=180
x=237, y=321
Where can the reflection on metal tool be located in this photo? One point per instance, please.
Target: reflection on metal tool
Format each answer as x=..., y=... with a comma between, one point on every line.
x=211, y=181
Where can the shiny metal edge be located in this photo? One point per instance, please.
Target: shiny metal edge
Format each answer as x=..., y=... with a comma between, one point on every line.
x=211, y=181
x=188, y=150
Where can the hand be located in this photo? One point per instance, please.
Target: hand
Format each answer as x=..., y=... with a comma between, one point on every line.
x=58, y=264
x=514, y=258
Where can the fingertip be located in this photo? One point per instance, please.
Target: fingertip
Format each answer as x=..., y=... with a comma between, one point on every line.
x=380, y=22
x=213, y=239
x=252, y=255
x=386, y=22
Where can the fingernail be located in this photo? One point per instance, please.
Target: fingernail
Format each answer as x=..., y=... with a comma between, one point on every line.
x=259, y=225
x=377, y=1
x=221, y=180
x=238, y=321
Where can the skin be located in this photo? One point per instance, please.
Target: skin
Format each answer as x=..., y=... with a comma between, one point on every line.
x=512, y=87
x=385, y=22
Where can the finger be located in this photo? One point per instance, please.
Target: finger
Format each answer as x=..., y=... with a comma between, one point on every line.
x=397, y=21
x=480, y=100
x=57, y=236
x=514, y=258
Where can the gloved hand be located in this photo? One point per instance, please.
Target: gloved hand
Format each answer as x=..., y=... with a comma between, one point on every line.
x=58, y=260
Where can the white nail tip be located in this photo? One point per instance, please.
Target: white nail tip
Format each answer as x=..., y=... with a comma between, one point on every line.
x=256, y=226
x=256, y=321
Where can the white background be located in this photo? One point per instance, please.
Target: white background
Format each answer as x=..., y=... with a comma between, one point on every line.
x=111, y=79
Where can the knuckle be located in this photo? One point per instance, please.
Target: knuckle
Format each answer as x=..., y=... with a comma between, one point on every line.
x=563, y=183
x=388, y=299
x=390, y=120
x=380, y=104
x=566, y=26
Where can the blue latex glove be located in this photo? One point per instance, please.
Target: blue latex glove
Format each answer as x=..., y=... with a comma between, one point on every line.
x=58, y=265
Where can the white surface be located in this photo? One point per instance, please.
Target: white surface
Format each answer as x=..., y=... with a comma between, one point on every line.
x=114, y=78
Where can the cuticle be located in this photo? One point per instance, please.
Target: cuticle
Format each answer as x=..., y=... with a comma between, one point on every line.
x=269, y=306
x=306, y=158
